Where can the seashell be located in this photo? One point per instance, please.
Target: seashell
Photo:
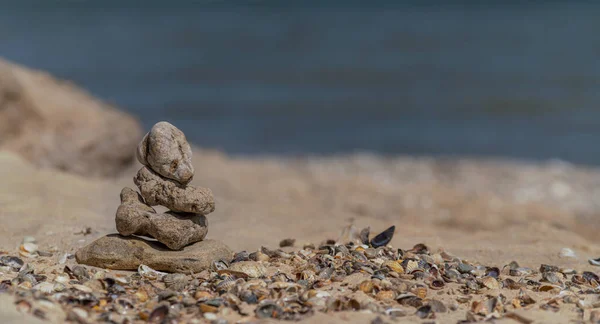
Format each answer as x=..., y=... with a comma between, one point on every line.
x=493, y=272
x=158, y=314
x=410, y=265
x=549, y=287
x=252, y=269
x=326, y=273
x=383, y=238
x=62, y=278
x=364, y=235
x=202, y=295
x=58, y=287
x=359, y=256
x=99, y=275
x=287, y=242
x=385, y=295
x=419, y=249
x=578, y=279
x=28, y=249
x=511, y=284
x=241, y=256
x=465, y=268
x=366, y=286
x=437, y=259
x=595, y=262
x=419, y=291
x=370, y=253
x=436, y=284
x=451, y=275
x=268, y=309
x=29, y=239
x=77, y=315
x=249, y=297
x=409, y=300
x=45, y=287
x=225, y=284
x=424, y=312
x=149, y=273
x=552, y=277
x=283, y=285
x=567, y=271
x=142, y=295
x=589, y=276
x=395, y=312
x=81, y=273
x=27, y=277
x=520, y=271
x=472, y=284
x=567, y=253
x=175, y=281
x=219, y=265
x=82, y=288
x=395, y=266
x=490, y=283
x=548, y=268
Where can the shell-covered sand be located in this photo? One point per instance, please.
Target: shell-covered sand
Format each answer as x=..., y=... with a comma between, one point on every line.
x=485, y=212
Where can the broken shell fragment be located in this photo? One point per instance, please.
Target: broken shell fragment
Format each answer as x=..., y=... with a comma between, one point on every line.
x=383, y=238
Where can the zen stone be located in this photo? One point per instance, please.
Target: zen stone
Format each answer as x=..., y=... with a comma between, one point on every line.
x=172, y=229
x=127, y=253
x=166, y=151
x=157, y=190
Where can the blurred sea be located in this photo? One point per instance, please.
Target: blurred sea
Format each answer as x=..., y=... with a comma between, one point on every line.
x=323, y=77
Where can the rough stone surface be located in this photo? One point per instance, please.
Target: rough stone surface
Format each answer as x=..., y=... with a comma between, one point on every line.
x=54, y=124
x=157, y=190
x=172, y=229
x=166, y=151
x=127, y=253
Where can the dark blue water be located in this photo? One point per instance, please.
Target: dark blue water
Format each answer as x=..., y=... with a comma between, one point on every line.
x=328, y=77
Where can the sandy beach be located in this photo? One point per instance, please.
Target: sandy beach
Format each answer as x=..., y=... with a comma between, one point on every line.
x=64, y=193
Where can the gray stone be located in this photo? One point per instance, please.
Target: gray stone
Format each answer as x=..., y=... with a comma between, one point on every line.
x=127, y=253
x=157, y=190
x=166, y=151
x=172, y=229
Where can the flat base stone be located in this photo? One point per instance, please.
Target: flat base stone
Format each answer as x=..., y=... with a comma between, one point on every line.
x=127, y=253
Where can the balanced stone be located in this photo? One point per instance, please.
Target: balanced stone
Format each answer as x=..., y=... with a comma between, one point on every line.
x=157, y=190
x=128, y=253
x=166, y=151
x=172, y=229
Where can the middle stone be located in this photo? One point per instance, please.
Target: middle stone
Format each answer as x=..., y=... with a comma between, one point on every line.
x=157, y=190
x=175, y=230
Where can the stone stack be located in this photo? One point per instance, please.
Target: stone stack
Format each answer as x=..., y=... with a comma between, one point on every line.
x=163, y=180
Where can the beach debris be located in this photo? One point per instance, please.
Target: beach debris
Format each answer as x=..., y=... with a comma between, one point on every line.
x=567, y=253
x=383, y=238
x=294, y=285
x=595, y=262
x=287, y=242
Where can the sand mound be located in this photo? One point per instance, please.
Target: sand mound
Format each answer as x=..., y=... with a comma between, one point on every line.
x=52, y=123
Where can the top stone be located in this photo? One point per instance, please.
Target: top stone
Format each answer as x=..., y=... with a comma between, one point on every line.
x=166, y=151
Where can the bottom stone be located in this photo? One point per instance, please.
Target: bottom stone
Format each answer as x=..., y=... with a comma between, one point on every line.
x=127, y=253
